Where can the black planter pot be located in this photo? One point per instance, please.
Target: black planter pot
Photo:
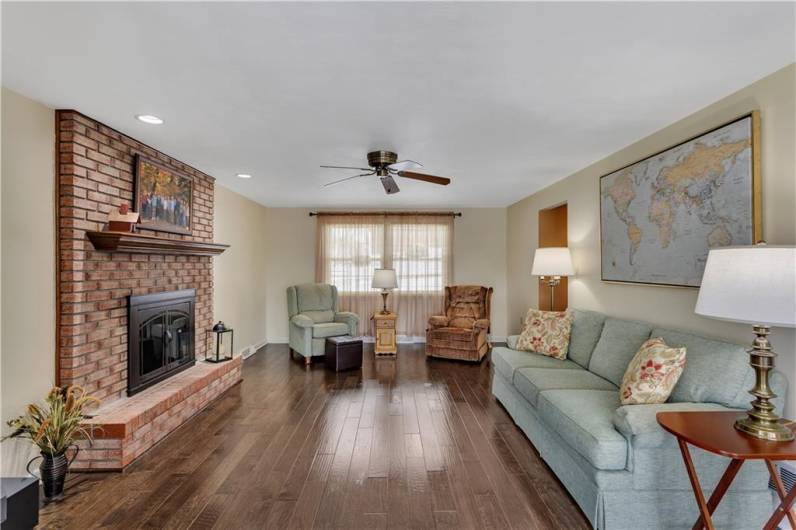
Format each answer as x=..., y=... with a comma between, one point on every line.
x=52, y=473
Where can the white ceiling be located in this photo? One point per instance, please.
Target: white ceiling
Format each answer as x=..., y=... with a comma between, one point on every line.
x=506, y=98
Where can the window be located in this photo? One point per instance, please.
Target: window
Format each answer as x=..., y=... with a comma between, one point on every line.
x=352, y=247
x=419, y=256
x=419, y=247
x=353, y=252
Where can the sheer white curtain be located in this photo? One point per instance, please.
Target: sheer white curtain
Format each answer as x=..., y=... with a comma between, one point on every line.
x=419, y=248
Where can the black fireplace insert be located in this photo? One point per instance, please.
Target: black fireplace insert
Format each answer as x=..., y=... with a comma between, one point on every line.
x=160, y=337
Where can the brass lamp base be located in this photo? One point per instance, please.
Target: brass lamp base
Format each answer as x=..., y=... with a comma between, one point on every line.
x=384, y=294
x=552, y=282
x=762, y=422
x=776, y=432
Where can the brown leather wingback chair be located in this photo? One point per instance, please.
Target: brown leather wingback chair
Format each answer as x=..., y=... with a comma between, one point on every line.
x=462, y=332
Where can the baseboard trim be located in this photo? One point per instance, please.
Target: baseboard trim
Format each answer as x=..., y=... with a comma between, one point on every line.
x=251, y=349
x=402, y=339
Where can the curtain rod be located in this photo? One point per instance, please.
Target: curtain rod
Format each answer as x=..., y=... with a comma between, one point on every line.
x=444, y=214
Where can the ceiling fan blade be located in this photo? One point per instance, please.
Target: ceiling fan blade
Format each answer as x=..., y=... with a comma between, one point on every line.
x=349, y=167
x=443, y=181
x=349, y=178
x=389, y=185
x=405, y=165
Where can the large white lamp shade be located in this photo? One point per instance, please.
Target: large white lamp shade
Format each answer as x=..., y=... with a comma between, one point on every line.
x=552, y=261
x=384, y=279
x=753, y=284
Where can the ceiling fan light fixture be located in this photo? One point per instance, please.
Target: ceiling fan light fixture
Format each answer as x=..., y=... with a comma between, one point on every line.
x=149, y=119
x=385, y=165
x=389, y=185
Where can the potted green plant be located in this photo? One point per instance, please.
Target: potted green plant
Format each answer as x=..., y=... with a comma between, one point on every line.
x=54, y=426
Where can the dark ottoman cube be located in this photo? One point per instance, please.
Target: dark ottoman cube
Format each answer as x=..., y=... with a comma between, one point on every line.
x=343, y=353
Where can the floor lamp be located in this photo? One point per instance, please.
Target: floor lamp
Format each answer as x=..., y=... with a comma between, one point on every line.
x=550, y=264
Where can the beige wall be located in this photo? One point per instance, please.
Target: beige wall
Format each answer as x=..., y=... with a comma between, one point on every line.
x=479, y=249
x=28, y=263
x=239, y=274
x=291, y=260
x=774, y=97
x=479, y=257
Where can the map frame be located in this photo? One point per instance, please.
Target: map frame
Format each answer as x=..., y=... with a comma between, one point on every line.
x=755, y=182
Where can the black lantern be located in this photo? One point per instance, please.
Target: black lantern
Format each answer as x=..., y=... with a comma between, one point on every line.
x=220, y=343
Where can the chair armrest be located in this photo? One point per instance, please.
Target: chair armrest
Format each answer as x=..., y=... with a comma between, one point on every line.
x=481, y=324
x=348, y=318
x=437, y=321
x=302, y=321
x=640, y=420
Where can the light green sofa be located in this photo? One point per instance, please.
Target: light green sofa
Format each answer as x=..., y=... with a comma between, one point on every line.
x=313, y=314
x=620, y=466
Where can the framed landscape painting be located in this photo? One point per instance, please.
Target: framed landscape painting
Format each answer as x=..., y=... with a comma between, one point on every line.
x=163, y=197
x=660, y=216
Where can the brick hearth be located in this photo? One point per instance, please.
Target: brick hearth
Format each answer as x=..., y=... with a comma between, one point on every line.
x=96, y=175
x=126, y=428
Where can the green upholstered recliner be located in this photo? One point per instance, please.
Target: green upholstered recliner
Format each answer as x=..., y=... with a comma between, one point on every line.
x=313, y=314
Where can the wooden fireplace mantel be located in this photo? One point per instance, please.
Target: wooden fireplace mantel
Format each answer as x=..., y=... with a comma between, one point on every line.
x=147, y=244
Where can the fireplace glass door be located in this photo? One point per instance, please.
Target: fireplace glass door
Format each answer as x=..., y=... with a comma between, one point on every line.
x=164, y=340
x=161, y=333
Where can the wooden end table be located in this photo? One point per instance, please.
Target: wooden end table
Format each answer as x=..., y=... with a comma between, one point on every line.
x=714, y=432
x=386, y=342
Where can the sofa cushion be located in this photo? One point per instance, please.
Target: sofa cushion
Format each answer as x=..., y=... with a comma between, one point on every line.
x=466, y=303
x=506, y=361
x=714, y=371
x=315, y=296
x=583, y=418
x=453, y=339
x=546, y=332
x=619, y=342
x=531, y=381
x=320, y=317
x=586, y=329
x=452, y=334
x=462, y=322
x=329, y=329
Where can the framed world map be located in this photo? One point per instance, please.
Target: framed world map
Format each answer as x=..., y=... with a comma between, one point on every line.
x=660, y=216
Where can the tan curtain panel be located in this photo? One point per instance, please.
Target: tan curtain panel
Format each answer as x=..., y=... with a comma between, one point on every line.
x=419, y=248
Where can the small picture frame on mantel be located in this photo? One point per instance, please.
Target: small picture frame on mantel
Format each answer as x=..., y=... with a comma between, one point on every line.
x=163, y=197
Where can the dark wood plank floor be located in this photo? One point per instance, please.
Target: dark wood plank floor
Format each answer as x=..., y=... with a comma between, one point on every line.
x=405, y=443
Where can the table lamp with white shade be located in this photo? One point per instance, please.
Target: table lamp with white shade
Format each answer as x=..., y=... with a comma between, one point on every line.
x=754, y=285
x=386, y=280
x=550, y=264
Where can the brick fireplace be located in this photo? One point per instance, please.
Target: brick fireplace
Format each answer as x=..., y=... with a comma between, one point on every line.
x=96, y=175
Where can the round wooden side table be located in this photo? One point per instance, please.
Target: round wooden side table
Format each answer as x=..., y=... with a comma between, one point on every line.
x=714, y=432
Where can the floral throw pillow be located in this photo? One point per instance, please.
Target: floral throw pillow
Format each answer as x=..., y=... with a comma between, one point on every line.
x=651, y=375
x=546, y=332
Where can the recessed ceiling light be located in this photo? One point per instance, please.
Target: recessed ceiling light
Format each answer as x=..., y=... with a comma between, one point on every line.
x=150, y=119
x=243, y=176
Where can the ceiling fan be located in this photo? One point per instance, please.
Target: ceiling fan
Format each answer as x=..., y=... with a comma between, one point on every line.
x=385, y=164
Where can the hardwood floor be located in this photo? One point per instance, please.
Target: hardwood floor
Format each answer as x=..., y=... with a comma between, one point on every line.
x=405, y=443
